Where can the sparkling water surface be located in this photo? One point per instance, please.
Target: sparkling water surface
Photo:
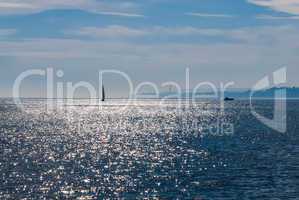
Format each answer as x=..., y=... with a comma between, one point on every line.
x=147, y=150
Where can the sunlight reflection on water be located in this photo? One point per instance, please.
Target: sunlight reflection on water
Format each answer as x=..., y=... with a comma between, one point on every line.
x=87, y=153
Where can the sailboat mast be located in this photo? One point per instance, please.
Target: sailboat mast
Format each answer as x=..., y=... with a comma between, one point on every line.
x=103, y=93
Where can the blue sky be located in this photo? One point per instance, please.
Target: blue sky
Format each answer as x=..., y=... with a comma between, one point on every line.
x=152, y=40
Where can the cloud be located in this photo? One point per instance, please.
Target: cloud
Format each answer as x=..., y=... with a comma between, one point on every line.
x=256, y=43
x=287, y=6
x=270, y=17
x=265, y=48
x=262, y=39
x=209, y=15
x=109, y=31
x=9, y=5
x=7, y=32
x=184, y=31
x=259, y=36
x=128, y=54
x=120, y=14
x=124, y=32
x=115, y=8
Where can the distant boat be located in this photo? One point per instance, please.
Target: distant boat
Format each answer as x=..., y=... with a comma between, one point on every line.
x=228, y=99
x=103, y=93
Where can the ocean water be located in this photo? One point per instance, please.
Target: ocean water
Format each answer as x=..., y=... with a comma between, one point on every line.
x=147, y=150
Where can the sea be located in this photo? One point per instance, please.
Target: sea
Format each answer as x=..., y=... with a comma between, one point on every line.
x=147, y=149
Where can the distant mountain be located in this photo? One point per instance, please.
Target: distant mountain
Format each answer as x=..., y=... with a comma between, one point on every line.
x=268, y=93
x=292, y=92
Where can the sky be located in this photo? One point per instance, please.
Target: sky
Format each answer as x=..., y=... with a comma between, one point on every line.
x=150, y=40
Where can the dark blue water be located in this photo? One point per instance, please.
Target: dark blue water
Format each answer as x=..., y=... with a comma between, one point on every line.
x=147, y=151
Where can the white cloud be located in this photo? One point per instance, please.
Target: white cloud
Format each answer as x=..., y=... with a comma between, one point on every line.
x=262, y=39
x=7, y=32
x=209, y=15
x=9, y=5
x=109, y=31
x=120, y=8
x=270, y=17
x=145, y=61
x=121, y=14
x=122, y=32
x=130, y=54
x=184, y=31
x=250, y=35
x=287, y=6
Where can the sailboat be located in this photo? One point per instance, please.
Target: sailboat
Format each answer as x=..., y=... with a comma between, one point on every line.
x=103, y=93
